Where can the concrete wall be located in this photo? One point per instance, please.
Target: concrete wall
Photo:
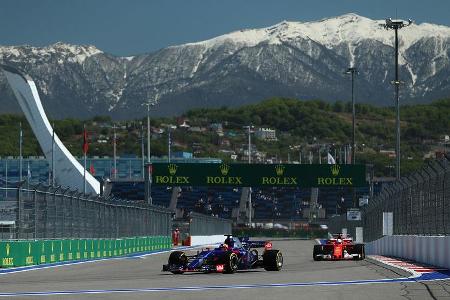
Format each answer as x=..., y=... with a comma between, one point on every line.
x=433, y=250
x=206, y=239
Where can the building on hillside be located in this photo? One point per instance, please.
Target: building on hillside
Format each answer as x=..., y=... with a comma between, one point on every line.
x=388, y=153
x=197, y=129
x=266, y=134
x=183, y=123
x=217, y=128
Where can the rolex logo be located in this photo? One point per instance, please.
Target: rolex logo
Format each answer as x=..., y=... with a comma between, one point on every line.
x=172, y=169
x=279, y=170
x=335, y=170
x=224, y=168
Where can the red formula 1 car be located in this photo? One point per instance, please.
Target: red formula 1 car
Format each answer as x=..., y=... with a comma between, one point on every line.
x=338, y=248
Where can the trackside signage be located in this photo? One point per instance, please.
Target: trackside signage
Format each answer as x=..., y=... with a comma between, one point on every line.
x=223, y=174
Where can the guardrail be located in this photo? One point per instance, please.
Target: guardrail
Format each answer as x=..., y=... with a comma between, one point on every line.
x=35, y=252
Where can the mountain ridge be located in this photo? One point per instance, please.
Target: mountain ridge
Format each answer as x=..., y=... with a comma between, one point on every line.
x=304, y=60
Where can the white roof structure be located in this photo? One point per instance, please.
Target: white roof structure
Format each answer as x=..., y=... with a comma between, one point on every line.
x=68, y=171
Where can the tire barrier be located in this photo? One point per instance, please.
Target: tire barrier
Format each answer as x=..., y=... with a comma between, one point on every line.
x=34, y=252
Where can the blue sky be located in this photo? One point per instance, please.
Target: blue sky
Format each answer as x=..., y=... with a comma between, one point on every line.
x=138, y=26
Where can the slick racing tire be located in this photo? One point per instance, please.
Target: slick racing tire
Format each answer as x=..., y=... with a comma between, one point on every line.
x=272, y=260
x=230, y=262
x=318, y=249
x=360, y=250
x=178, y=258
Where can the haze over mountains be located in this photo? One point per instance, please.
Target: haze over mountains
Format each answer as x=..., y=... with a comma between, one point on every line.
x=290, y=59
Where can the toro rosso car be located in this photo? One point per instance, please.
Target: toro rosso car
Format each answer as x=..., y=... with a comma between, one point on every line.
x=339, y=248
x=232, y=255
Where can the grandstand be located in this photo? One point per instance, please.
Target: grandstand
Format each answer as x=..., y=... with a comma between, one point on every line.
x=268, y=203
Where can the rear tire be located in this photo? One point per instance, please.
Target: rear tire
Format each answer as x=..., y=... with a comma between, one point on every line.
x=272, y=260
x=360, y=250
x=318, y=249
x=178, y=258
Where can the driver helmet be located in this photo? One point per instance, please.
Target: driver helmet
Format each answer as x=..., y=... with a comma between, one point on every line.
x=229, y=242
x=224, y=247
x=339, y=241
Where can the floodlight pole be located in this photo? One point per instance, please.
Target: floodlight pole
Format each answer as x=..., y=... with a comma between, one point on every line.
x=148, y=130
x=249, y=146
x=20, y=152
x=353, y=71
x=142, y=152
x=396, y=25
x=249, y=161
x=114, y=175
x=169, y=143
x=149, y=179
x=397, y=106
x=53, y=158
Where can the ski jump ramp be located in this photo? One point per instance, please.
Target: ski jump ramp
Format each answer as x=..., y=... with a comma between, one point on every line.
x=68, y=171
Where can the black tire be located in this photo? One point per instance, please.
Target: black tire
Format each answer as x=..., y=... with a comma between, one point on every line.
x=318, y=249
x=363, y=252
x=360, y=250
x=272, y=260
x=230, y=263
x=178, y=258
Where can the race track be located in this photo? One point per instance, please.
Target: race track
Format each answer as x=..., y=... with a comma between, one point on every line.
x=301, y=278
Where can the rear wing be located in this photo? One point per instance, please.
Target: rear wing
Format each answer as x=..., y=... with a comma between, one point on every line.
x=255, y=244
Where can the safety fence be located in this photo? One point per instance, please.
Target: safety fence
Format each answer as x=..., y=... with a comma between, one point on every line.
x=43, y=212
x=208, y=225
x=35, y=252
x=419, y=205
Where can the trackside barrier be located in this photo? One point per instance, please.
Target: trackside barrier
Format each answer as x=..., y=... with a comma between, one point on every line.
x=205, y=239
x=432, y=250
x=204, y=229
x=34, y=252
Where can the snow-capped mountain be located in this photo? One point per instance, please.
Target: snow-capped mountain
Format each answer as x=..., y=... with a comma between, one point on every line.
x=290, y=59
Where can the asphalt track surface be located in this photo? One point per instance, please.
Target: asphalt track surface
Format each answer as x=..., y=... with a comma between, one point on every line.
x=301, y=278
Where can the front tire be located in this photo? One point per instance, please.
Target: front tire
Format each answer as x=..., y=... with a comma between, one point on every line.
x=272, y=260
x=178, y=258
x=231, y=261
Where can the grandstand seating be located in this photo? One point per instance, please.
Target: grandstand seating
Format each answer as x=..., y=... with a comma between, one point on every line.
x=269, y=203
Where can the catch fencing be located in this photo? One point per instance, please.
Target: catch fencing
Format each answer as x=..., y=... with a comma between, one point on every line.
x=208, y=225
x=419, y=203
x=45, y=212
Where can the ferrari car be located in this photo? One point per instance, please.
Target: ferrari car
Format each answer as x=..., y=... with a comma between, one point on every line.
x=339, y=248
x=232, y=255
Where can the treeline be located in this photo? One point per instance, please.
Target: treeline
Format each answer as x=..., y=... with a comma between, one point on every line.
x=296, y=123
x=332, y=121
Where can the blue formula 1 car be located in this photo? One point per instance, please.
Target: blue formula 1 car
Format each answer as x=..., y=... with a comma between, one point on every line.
x=232, y=255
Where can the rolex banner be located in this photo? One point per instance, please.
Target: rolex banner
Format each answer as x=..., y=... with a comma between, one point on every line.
x=204, y=174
